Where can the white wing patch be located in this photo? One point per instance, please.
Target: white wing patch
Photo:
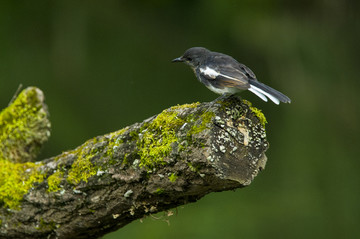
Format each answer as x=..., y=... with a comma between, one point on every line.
x=213, y=73
x=209, y=72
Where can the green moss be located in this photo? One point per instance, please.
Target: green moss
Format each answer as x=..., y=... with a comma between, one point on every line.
x=260, y=115
x=15, y=181
x=224, y=103
x=173, y=177
x=205, y=119
x=54, y=181
x=24, y=127
x=192, y=167
x=155, y=143
x=158, y=136
x=125, y=159
x=86, y=163
x=45, y=226
x=134, y=135
x=193, y=105
x=159, y=191
x=81, y=169
x=114, y=142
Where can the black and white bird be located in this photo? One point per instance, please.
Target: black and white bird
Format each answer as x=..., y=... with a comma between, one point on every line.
x=223, y=74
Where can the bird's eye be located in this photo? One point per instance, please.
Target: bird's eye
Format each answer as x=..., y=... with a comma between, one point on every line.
x=188, y=58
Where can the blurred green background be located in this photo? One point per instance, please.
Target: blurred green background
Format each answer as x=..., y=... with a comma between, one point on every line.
x=106, y=64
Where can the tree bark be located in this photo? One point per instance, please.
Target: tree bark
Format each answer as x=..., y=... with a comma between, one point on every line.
x=170, y=159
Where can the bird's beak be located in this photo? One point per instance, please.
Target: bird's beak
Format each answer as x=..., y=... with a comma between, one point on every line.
x=179, y=59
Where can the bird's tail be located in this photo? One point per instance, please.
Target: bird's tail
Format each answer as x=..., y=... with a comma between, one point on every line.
x=264, y=92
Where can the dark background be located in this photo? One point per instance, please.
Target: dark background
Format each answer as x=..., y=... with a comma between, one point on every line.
x=106, y=64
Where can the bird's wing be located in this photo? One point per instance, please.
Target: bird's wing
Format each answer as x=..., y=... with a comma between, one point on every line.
x=247, y=71
x=227, y=72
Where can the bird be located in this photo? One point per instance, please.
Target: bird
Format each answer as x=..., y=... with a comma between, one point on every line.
x=224, y=75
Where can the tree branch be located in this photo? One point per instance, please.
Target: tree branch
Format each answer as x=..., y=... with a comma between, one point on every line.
x=170, y=159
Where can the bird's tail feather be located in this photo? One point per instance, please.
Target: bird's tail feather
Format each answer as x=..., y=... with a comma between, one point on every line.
x=264, y=92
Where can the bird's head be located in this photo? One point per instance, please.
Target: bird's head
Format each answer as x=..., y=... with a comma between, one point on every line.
x=193, y=56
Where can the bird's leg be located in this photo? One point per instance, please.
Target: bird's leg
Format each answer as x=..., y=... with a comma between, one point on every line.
x=222, y=97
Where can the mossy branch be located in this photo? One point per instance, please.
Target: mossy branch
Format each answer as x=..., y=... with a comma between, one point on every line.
x=170, y=159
